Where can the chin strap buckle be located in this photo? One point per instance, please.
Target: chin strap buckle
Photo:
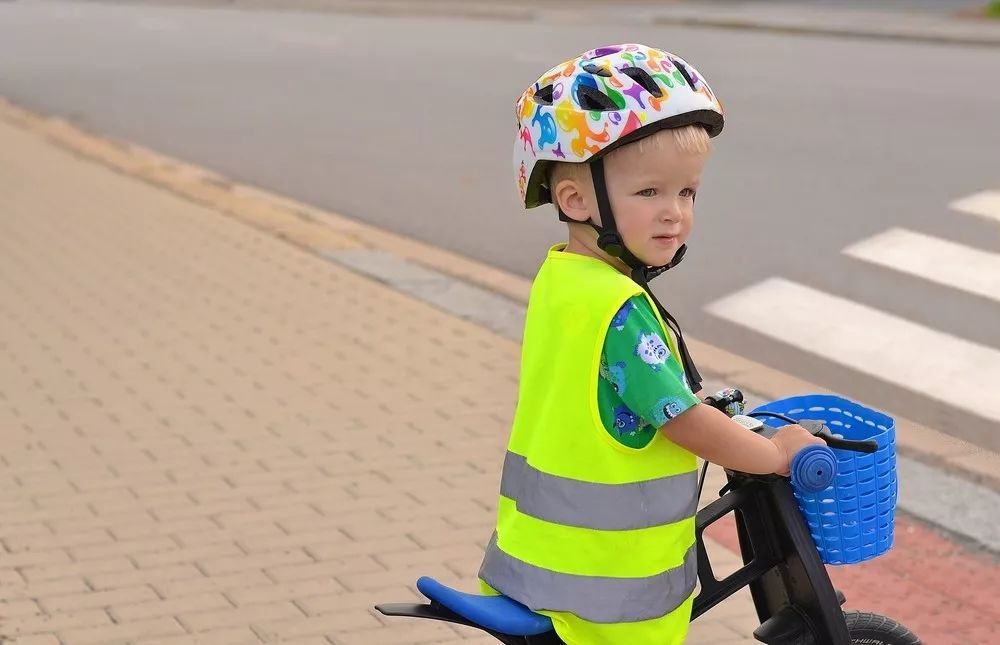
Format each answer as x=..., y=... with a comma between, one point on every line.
x=652, y=272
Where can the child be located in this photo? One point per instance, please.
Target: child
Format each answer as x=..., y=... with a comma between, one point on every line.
x=599, y=489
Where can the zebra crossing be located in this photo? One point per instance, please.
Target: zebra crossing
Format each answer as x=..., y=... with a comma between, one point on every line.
x=984, y=204
x=931, y=362
x=955, y=265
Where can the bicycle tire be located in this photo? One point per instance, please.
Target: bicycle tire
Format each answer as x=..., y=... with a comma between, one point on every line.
x=867, y=628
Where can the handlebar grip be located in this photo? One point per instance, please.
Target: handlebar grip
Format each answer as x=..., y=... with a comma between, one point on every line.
x=813, y=468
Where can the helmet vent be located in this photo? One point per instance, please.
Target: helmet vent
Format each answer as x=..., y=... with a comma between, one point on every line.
x=597, y=70
x=682, y=68
x=643, y=78
x=592, y=99
x=544, y=95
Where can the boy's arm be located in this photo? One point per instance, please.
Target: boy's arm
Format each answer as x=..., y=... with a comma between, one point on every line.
x=713, y=436
x=650, y=382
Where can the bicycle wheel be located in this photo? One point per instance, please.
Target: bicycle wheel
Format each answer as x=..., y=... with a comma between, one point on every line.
x=867, y=628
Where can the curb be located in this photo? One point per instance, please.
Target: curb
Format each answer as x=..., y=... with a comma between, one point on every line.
x=324, y=233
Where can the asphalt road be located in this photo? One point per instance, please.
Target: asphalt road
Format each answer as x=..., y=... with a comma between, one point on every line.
x=407, y=123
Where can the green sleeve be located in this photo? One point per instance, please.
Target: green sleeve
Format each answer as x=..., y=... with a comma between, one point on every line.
x=647, y=377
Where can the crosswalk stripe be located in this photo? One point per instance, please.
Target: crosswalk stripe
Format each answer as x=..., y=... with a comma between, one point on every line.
x=984, y=204
x=929, y=362
x=948, y=263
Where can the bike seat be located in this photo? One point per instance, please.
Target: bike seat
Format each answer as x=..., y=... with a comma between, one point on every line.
x=495, y=613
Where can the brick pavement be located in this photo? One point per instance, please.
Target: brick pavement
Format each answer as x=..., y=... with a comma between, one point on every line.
x=212, y=436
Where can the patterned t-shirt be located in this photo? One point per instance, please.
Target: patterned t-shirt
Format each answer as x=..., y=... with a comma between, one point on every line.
x=641, y=384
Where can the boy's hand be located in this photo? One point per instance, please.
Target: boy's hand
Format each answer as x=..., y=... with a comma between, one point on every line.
x=789, y=440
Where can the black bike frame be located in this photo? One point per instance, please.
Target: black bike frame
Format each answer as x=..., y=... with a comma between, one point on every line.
x=792, y=592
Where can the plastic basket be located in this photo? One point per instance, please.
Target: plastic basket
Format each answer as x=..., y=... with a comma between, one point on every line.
x=854, y=518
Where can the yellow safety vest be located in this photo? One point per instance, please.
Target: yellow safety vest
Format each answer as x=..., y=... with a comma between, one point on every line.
x=595, y=534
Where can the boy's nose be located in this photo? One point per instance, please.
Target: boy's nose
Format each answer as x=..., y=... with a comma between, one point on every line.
x=671, y=213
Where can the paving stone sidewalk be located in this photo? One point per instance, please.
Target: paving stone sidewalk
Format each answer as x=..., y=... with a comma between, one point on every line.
x=212, y=436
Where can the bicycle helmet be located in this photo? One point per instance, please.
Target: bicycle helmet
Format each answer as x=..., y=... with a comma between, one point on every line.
x=582, y=109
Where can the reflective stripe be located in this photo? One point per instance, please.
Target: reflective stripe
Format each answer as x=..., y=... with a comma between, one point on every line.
x=609, y=507
x=594, y=598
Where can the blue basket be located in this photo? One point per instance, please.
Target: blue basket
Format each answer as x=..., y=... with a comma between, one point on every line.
x=852, y=520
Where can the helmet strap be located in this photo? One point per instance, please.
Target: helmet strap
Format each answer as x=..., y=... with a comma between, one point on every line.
x=690, y=370
x=608, y=238
x=610, y=241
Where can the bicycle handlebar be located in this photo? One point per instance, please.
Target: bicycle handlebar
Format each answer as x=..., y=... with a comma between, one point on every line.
x=820, y=429
x=731, y=402
x=867, y=446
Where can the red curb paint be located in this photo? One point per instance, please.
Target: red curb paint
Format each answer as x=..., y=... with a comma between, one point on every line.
x=946, y=593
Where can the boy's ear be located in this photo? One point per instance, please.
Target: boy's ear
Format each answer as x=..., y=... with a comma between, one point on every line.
x=569, y=197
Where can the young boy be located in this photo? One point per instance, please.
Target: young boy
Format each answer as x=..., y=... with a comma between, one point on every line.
x=599, y=489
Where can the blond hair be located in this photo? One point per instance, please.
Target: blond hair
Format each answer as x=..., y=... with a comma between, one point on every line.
x=692, y=139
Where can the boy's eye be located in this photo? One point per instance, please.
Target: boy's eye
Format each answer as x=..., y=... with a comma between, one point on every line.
x=688, y=192
x=647, y=192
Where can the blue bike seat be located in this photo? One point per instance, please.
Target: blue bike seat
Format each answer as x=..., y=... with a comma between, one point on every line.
x=495, y=613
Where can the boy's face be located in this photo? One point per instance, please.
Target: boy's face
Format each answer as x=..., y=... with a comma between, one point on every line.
x=652, y=185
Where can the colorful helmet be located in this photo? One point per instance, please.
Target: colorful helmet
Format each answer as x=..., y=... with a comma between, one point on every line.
x=600, y=100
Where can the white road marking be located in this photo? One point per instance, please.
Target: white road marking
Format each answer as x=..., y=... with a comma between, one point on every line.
x=931, y=258
x=984, y=204
x=929, y=362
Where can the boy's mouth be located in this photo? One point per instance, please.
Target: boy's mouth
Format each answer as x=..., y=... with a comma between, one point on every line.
x=665, y=239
